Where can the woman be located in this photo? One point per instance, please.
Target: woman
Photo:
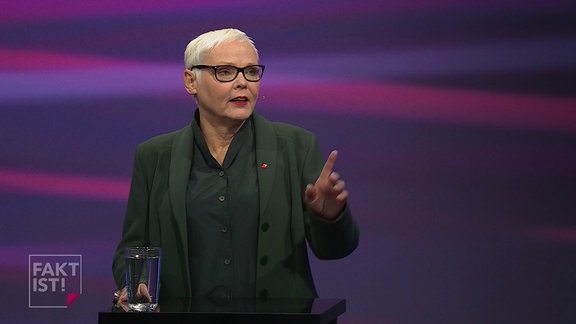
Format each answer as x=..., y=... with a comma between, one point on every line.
x=232, y=198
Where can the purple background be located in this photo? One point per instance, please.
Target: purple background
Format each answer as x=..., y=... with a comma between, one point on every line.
x=455, y=121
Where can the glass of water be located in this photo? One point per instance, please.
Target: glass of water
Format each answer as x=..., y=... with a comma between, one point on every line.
x=142, y=277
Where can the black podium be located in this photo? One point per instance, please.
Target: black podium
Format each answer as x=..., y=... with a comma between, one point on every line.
x=307, y=311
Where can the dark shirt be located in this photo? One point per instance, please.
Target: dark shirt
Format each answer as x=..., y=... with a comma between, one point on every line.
x=222, y=217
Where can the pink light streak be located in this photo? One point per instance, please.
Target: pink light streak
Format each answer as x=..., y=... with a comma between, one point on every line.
x=33, y=11
x=62, y=185
x=28, y=60
x=552, y=234
x=427, y=103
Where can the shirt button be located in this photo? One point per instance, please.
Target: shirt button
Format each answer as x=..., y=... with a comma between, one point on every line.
x=265, y=227
x=222, y=198
x=264, y=260
x=227, y=261
x=221, y=173
x=224, y=229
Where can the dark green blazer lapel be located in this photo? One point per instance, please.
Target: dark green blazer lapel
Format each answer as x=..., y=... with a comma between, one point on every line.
x=180, y=163
x=266, y=158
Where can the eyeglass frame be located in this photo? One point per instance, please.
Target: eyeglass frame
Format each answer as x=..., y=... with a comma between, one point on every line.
x=238, y=70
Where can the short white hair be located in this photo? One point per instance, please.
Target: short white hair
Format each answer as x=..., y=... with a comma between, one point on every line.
x=198, y=48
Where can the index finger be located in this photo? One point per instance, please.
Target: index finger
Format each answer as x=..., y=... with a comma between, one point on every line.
x=329, y=165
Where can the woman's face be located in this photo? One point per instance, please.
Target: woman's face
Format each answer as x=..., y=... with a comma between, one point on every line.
x=225, y=102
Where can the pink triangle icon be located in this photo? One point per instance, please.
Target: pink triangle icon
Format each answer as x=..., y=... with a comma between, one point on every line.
x=72, y=298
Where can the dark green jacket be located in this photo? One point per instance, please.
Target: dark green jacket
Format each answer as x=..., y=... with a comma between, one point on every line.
x=156, y=211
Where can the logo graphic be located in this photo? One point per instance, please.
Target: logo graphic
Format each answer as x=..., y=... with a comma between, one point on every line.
x=55, y=280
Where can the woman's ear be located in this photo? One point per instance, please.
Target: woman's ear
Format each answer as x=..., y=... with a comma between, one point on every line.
x=190, y=82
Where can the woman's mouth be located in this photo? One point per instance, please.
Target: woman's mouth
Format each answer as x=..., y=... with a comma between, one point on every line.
x=239, y=101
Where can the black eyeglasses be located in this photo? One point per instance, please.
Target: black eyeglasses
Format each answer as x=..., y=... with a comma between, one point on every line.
x=228, y=73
